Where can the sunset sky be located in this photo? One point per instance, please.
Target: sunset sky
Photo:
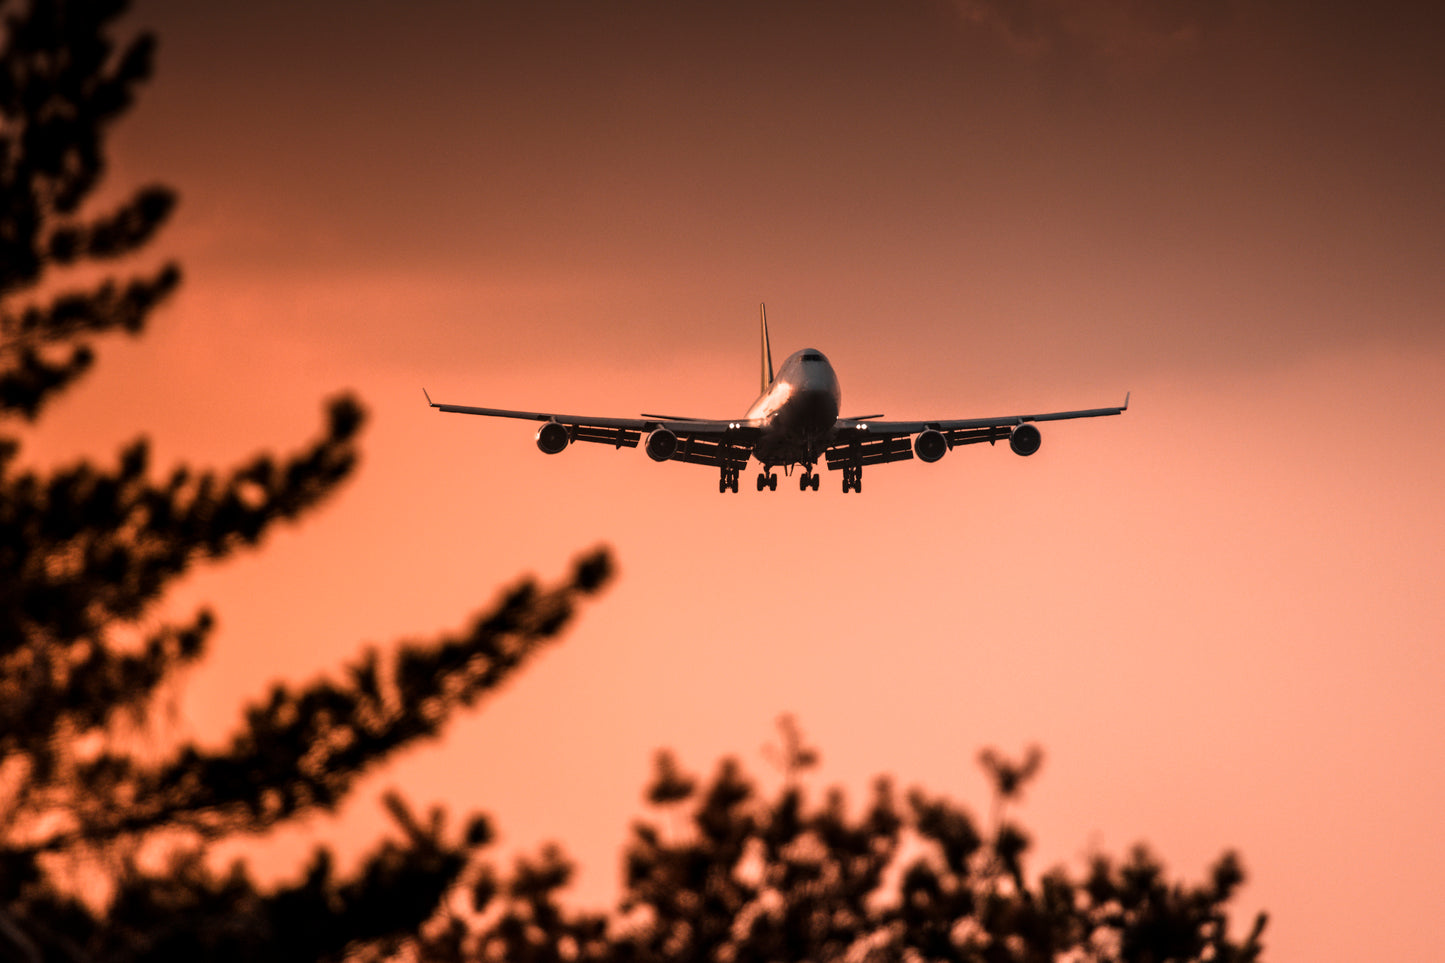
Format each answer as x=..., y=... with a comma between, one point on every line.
x=1221, y=615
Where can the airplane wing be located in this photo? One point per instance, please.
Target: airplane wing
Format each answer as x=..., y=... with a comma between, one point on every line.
x=699, y=441
x=859, y=443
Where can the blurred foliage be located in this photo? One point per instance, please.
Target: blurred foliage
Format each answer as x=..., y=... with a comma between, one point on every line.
x=725, y=874
x=103, y=838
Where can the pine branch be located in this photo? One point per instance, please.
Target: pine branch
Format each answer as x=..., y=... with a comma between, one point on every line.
x=86, y=549
x=115, y=235
x=190, y=912
x=304, y=748
x=85, y=554
x=62, y=87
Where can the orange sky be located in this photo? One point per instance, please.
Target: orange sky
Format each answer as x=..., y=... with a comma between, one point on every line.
x=1219, y=614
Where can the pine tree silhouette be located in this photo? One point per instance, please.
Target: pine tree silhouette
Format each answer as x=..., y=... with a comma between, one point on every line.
x=86, y=553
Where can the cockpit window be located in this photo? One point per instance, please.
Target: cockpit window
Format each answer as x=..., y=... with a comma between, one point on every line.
x=812, y=356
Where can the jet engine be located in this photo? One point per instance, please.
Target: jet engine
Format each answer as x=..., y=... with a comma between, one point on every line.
x=930, y=445
x=552, y=437
x=1025, y=440
x=661, y=445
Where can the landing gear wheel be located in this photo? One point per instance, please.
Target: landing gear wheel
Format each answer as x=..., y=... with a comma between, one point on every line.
x=772, y=483
x=762, y=481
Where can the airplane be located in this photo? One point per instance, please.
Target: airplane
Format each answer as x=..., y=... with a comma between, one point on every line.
x=793, y=423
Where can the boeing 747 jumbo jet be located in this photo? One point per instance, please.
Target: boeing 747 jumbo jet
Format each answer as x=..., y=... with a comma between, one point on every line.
x=794, y=422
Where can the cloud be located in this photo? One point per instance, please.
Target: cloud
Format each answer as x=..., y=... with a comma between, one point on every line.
x=1126, y=32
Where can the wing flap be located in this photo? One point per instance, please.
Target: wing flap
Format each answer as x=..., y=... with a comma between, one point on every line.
x=701, y=441
x=975, y=436
x=967, y=426
x=871, y=450
x=589, y=421
x=616, y=437
x=716, y=452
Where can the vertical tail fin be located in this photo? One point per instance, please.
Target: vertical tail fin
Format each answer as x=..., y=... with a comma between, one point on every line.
x=767, y=350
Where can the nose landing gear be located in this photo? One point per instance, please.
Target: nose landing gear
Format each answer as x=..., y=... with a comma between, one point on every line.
x=767, y=479
x=808, y=480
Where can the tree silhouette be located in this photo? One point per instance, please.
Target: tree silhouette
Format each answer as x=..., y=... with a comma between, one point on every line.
x=728, y=876
x=102, y=848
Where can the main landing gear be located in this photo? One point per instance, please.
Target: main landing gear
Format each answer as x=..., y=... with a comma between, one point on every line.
x=768, y=479
x=853, y=479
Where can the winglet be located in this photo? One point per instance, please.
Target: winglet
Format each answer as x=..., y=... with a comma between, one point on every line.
x=1126, y=401
x=428, y=398
x=767, y=350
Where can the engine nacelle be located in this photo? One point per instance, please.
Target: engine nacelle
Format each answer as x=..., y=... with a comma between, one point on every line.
x=552, y=437
x=661, y=445
x=930, y=445
x=1025, y=439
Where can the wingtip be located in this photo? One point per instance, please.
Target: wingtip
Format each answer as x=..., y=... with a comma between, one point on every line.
x=1126, y=401
x=428, y=398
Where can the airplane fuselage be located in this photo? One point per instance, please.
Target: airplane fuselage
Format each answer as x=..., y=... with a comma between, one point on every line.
x=799, y=411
